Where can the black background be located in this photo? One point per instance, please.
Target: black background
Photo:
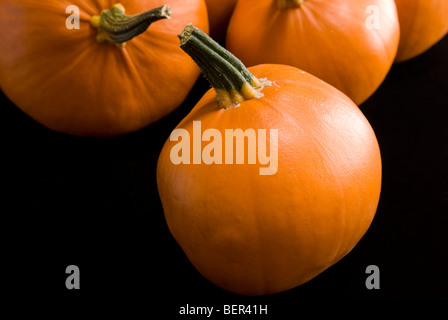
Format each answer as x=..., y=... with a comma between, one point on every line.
x=94, y=203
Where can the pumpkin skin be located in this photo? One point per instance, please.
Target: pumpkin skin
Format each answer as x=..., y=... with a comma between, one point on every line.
x=422, y=23
x=219, y=13
x=327, y=38
x=68, y=82
x=255, y=235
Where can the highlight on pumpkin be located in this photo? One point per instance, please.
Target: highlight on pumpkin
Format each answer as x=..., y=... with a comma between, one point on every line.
x=116, y=27
x=232, y=82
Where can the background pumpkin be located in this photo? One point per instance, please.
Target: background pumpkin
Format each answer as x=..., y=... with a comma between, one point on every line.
x=422, y=24
x=67, y=81
x=328, y=38
x=219, y=13
x=258, y=234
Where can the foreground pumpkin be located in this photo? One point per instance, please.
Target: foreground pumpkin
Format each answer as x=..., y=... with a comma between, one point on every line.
x=69, y=81
x=260, y=215
x=350, y=44
x=422, y=24
x=219, y=13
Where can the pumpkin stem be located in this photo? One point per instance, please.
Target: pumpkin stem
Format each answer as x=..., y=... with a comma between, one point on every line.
x=116, y=27
x=287, y=4
x=232, y=82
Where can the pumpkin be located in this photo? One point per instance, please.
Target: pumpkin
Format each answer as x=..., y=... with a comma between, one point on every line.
x=219, y=13
x=273, y=176
x=422, y=24
x=74, y=81
x=350, y=44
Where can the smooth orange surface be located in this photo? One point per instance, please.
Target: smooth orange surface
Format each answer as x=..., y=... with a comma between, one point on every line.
x=65, y=80
x=256, y=235
x=422, y=24
x=219, y=13
x=328, y=38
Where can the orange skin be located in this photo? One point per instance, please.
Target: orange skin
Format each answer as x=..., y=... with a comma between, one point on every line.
x=257, y=235
x=327, y=38
x=68, y=82
x=219, y=13
x=423, y=23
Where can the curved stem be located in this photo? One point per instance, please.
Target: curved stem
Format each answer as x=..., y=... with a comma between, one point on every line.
x=288, y=4
x=115, y=26
x=229, y=77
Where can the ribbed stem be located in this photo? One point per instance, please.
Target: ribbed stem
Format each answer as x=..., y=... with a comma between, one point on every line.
x=229, y=77
x=115, y=26
x=288, y=4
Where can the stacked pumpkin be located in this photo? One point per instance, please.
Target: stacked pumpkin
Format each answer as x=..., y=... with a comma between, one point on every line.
x=311, y=63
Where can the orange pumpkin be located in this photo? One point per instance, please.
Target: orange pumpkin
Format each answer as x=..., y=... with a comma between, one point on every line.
x=253, y=227
x=350, y=44
x=219, y=13
x=422, y=24
x=66, y=80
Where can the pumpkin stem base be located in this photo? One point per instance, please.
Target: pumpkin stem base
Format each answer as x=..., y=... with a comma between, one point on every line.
x=232, y=82
x=116, y=27
x=289, y=4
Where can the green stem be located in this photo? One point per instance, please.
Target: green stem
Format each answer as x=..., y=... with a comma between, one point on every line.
x=117, y=27
x=229, y=77
x=288, y=4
